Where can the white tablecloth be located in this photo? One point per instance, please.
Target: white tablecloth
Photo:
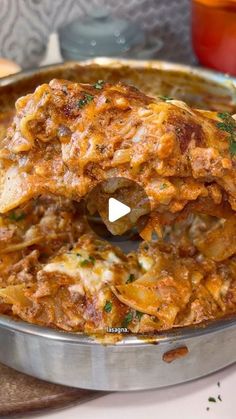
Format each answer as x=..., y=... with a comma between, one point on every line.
x=185, y=401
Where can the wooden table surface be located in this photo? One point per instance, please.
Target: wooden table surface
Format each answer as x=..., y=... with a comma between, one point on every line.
x=21, y=394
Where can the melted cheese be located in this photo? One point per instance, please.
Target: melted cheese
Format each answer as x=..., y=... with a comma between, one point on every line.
x=93, y=273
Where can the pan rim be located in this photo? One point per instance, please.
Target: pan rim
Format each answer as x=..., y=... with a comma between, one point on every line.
x=80, y=338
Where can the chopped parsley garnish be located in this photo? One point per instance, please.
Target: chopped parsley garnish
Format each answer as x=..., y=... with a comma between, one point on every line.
x=233, y=147
x=108, y=306
x=223, y=126
x=87, y=99
x=165, y=98
x=139, y=315
x=224, y=115
x=16, y=216
x=84, y=262
x=78, y=254
x=228, y=125
x=130, y=279
x=128, y=318
x=213, y=399
x=99, y=84
x=89, y=261
x=163, y=186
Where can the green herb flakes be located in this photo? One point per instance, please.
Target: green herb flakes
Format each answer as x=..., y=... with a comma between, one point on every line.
x=130, y=279
x=139, y=315
x=212, y=399
x=224, y=126
x=232, y=147
x=86, y=262
x=165, y=98
x=17, y=216
x=228, y=125
x=128, y=318
x=99, y=84
x=87, y=99
x=108, y=306
x=92, y=259
x=163, y=186
x=223, y=115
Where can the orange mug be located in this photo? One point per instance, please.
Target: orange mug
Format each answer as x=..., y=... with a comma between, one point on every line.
x=214, y=33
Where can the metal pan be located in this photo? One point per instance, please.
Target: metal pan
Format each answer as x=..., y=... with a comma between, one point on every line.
x=132, y=364
x=135, y=362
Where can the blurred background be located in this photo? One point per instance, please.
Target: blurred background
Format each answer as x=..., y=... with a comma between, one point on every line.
x=129, y=28
x=25, y=25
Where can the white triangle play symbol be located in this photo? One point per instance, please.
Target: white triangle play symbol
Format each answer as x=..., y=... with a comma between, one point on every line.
x=116, y=210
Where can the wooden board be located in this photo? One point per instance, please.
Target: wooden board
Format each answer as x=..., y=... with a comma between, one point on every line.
x=21, y=394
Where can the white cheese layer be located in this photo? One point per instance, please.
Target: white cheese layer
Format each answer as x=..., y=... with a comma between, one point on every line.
x=93, y=273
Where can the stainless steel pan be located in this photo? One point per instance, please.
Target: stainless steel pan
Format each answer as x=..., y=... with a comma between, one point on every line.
x=134, y=362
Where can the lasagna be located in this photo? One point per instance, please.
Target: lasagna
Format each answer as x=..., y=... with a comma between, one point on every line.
x=66, y=138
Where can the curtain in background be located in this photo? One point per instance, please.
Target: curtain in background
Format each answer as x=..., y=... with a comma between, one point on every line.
x=26, y=24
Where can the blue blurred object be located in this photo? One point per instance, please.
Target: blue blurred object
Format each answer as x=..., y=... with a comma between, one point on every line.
x=99, y=34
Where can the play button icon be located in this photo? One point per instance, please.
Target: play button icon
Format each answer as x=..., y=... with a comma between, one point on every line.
x=117, y=210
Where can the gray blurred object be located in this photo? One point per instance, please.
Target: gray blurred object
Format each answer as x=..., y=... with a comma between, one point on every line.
x=99, y=34
x=26, y=24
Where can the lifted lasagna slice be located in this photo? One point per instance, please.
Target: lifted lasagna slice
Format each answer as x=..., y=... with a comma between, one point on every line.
x=67, y=137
